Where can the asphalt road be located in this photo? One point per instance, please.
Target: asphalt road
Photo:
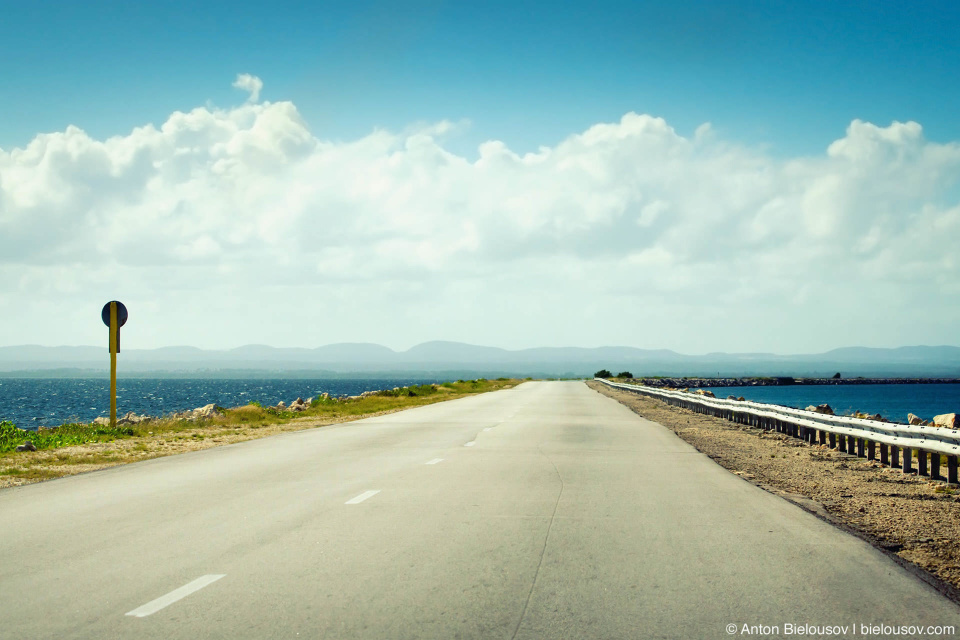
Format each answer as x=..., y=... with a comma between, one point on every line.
x=544, y=511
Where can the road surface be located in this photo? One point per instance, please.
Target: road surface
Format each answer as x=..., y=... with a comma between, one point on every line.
x=544, y=511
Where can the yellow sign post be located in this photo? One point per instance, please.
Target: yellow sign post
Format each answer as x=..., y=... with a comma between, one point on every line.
x=114, y=315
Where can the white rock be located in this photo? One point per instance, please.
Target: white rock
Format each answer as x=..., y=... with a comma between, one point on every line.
x=821, y=408
x=132, y=418
x=948, y=420
x=206, y=411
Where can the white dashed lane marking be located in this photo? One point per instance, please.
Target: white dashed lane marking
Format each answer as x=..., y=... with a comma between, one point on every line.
x=470, y=444
x=435, y=461
x=363, y=496
x=177, y=594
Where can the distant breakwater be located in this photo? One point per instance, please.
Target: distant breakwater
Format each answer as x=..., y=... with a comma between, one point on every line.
x=696, y=383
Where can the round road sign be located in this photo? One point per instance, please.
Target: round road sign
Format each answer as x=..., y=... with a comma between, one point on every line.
x=121, y=314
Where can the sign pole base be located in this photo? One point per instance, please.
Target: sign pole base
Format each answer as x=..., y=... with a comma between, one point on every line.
x=113, y=390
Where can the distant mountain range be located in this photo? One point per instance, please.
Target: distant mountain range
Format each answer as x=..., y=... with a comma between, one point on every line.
x=460, y=360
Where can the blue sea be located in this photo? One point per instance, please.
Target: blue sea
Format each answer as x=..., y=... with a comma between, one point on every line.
x=892, y=401
x=33, y=402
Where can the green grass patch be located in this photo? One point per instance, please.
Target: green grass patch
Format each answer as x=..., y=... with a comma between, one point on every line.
x=63, y=436
x=253, y=415
x=32, y=473
x=92, y=457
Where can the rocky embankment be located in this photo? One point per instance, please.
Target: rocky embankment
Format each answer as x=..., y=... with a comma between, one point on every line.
x=212, y=410
x=680, y=383
x=206, y=411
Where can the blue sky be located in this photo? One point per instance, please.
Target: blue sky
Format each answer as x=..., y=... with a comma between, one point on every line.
x=751, y=176
x=789, y=75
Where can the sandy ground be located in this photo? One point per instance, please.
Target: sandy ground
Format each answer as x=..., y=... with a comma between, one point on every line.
x=912, y=517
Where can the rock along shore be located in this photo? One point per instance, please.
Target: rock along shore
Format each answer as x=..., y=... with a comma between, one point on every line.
x=213, y=410
x=682, y=383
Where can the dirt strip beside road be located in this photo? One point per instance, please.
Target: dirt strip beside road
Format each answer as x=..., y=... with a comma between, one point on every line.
x=913, y=517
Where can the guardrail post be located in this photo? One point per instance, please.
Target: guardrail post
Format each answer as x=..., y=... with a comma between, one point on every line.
x=894, y=457
x=922, y=462
x=823, y=436
x=833, y=440
x=859, y=447
x=907, y=460
x=852, y=445
x=952, y=469
x=884, y=454
x=935, y=465
x=871, y=450
x=841, y=442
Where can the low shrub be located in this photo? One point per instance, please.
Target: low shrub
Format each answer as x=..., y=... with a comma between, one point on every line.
x=69, y=434
x=249, y=413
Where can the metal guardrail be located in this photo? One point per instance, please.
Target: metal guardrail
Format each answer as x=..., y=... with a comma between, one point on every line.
x=857, y=436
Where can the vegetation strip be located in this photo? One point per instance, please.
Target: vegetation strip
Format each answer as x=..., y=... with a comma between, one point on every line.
x=77, y=448
x=912, y=517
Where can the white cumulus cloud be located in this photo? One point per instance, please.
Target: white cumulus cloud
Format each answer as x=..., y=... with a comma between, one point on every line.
x=239, y=225
x=249, y=83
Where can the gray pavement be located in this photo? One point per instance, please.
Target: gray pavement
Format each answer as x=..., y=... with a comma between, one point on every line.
x=567, y=517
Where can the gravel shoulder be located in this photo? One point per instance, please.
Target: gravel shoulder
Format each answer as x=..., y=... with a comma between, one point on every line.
x=26, y=468
x=913, y=518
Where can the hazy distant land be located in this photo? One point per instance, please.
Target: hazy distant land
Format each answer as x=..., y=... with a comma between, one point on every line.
x=456, y=359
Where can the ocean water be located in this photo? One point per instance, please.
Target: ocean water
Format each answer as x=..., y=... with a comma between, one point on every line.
x=892, y=401
x=33, y=402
